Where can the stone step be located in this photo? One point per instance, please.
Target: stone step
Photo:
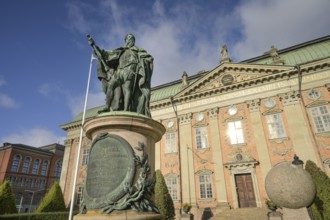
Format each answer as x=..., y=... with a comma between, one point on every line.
x=243, y=214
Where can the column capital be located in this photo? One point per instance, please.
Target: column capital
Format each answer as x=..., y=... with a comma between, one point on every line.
x=289, y=98
x=185, y=119
x=213, y=113
x=327, y=85
x=68, y=142
x=253, y=105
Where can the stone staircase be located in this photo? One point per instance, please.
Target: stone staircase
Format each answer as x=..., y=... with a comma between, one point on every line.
x=242, y=214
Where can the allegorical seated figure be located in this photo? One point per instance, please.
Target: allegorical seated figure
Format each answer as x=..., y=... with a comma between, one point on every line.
x=125, y=75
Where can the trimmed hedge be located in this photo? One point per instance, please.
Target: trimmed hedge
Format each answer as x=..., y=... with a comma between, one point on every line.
x=37, y=216
x=7, y=199
x=53, y=200
x=321, y=205
x=163, y=199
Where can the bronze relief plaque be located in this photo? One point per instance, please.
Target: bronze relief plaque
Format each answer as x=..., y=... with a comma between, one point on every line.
x=110, y=168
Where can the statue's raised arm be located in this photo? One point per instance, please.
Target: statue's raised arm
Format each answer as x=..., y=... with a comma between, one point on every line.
x=97, y=52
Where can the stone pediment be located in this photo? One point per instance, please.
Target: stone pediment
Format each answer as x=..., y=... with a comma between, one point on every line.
x=229, y=76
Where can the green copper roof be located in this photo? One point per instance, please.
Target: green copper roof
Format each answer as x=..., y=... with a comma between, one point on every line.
x=298, y=54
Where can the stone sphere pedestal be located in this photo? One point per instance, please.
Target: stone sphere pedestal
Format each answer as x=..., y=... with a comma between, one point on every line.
x=121, y=158
x=292, y=188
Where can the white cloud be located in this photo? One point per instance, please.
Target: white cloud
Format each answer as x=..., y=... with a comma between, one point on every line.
x=280, y=23
x=181, y=36
x=7, y=102
x=36, y=137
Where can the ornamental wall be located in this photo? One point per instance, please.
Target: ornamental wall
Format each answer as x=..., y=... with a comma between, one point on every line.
x=251, y=101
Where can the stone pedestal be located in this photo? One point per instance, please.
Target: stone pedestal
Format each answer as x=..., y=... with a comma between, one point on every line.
x=274, y=216
x=123, y=215
x=187, y=216
x=289, y=186
x=294, y=214
x=121, y=164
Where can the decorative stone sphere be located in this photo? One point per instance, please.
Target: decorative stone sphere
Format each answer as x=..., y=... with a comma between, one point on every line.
x=290, y=186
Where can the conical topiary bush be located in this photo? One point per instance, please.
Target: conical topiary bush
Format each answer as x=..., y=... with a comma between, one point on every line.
x=7, y=199
x=163, y=199
x=53, y=200
x=321, y=204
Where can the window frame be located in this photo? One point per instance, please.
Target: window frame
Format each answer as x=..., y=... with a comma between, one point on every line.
x=205, y=186
x=85, y=157
x=44, y=170
x=321, y=119
x=16, y=163
x=172, y=187
x=235, y=133
x=35, y=167
x=170, y=142
x=275, y=126
x=58, y=168
x=26, y=164
x=80, y=194
x=201, y=137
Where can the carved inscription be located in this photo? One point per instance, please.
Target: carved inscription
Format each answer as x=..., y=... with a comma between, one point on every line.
x=108, y=166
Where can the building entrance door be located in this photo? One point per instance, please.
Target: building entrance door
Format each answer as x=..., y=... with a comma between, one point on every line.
x=245, y=191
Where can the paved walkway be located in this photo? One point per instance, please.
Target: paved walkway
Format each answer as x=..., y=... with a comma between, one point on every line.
x=243, y=214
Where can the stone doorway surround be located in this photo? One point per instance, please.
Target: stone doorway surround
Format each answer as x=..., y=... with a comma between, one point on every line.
x=242, y=163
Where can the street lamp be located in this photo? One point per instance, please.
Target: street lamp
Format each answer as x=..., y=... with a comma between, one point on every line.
x=32, y=196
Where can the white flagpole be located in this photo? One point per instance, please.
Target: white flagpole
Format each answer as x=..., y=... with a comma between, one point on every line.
x=80, y=140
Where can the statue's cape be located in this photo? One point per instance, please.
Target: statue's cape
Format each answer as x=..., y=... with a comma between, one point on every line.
x=112, y=59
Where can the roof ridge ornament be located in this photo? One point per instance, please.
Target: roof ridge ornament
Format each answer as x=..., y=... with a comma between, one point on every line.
x=224, y=54
x=275, y=56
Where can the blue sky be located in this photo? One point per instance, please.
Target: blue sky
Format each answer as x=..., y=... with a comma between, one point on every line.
x=45, y=57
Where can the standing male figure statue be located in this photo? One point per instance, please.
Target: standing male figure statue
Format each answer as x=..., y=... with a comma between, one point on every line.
x=125, y=74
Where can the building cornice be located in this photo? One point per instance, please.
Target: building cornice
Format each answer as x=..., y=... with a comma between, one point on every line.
x=272, y=73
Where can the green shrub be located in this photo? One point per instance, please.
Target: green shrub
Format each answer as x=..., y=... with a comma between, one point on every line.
x=163, y=199
x=321, y=204
x=7, y=199
x=53, y=200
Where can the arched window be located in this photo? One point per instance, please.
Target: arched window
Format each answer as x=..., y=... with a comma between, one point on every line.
x=16, y=160
x=35, y=167
x=58, y=168
x=44, y=168
x=26, y=164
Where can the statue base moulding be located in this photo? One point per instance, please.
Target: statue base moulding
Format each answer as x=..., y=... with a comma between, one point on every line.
x=119, y=180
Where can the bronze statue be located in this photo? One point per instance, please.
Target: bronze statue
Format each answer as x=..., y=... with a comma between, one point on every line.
x=125, y=74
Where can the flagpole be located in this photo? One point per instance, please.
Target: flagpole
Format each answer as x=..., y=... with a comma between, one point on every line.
x=80, y=140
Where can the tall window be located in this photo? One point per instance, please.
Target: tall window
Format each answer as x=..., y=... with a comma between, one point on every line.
x=170, y=142
x=42, y=184
x=44, y=168
x=235, y=132
x=33, y=183
x=35, y=167
x=58, y=169
x=205, y=186
x=321, y=117
x=85, y=157
x=14, y=166
x=201, y=137
x=26, y=164
x=275, y=126
x=12, y=180
x=22, y=183
x=172, y=186
x=80, y=194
